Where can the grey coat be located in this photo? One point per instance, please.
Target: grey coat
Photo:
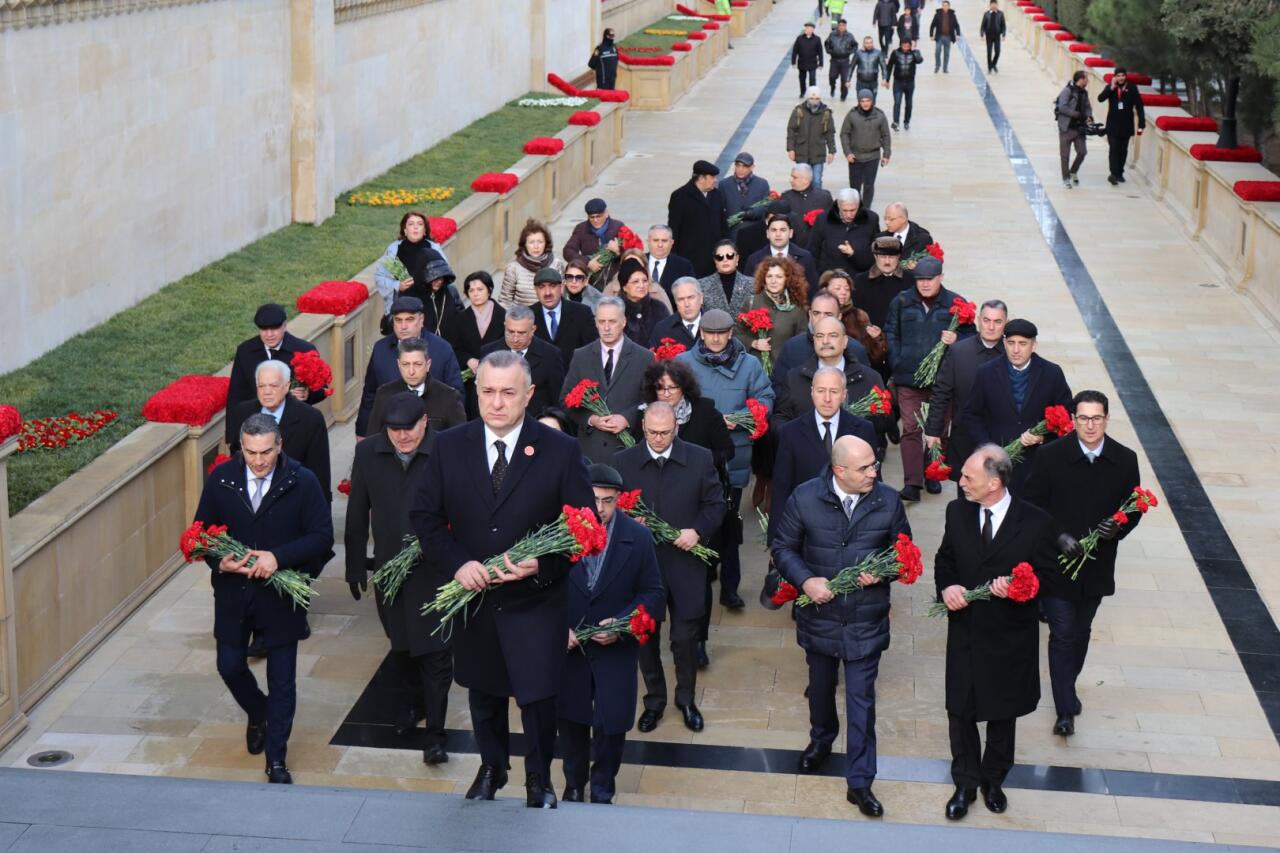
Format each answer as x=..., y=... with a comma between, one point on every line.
x=729, y=388
x=622, y=394
x=866, y=135
x=713, y=294
x=1073, y=108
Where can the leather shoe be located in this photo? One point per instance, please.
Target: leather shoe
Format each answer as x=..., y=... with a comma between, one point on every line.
x=994, y=799
x=572, y=795
x=601, y=801
x=1065, y=726
x=703, y=660
x=537, y=794
x=435, y=755
x=408, y=721
x=488, y=781
x=910, y=493
x=865, y=801
x=692, y=716
x=648, y=720
x=255, y=737
x=278, y=774
x=958, y=805
x=732, y=600
x=815, y=755
x=933, y=487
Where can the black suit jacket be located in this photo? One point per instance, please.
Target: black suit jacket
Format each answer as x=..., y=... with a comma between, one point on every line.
x=800, y=255
x=917, y=239
x=621, y=394
x=546, y=369
x=468, y=343
x=577, y=328
x=512, y=642
x=444, y=405
x=673, y=267
x=802, y=455
x=960, y=364
x=305, y=434
x=671, y=327
x=251, y=353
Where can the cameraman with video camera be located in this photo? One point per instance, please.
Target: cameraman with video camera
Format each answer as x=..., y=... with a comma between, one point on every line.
x=1074, y=113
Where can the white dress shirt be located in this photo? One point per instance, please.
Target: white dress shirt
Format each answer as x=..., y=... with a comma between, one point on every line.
x=902, y=235
x=998, y=512
x=511, y=439
x=277, y=412
x=547, y=313
x=418, y=389
x=656, y=265
x=666, y=454
x=1092, y=455
x=834, y=420
x=249, y=477
x=842, y=495
x=604, y=354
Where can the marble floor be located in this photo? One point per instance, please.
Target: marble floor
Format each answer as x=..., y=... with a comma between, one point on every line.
x=1164, y=689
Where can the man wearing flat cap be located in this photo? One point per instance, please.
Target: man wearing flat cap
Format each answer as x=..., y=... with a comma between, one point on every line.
x=598, y=231
x=563, y=323
x=744, y=191
x=696, y=214
x=597, y=702
x=386, y=468
x=875, y=289
x=273, y=341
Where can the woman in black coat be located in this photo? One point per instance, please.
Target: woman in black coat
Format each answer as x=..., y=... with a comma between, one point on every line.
x=480, y=324
x=643, y=312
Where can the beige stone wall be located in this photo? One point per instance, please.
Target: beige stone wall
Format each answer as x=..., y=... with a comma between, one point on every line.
x=627, y=16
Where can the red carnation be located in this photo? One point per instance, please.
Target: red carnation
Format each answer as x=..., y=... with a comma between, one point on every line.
x=667, y=349
x=755, y=418
x=10, y=422
x=584, y=392
x=938, y=470
x=935, y=249
x=627, y=501
x=1120, y=518
x=811, y=217
x=757, y=320
x=217, y=460
x=785, y=592
x=629, y=239
x=964, y=311
x=311, y=372
x=1057, y=420
x=907, y=556
x=1024, y=585
x=344, y=488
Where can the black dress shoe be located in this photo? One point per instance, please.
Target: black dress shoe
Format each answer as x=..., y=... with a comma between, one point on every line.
x=408, y=721
x=910, y=493
x=933, y=487
x=435, y=755
x=994, y=799
x=692, y=717
x=572, y=795
x=278, y=774
x=648, y=720
x=815, y=755
x=732, y=600
x=255, y=737
x=703, y=660
x=601, y=801
x=1065, y=726
x=865, y=801
x=537, y=793
x=958, y=805
x=488, y=781
x=894, y=434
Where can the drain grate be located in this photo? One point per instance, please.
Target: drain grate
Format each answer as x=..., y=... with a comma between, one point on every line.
x=50, y=758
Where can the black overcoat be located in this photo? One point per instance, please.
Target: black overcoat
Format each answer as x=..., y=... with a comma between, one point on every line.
x=545, y=369
x=698, y=223
x=251, y=353
x=802, y=455
x=672, y=327
x=829, y=232
x=305, y=435
x=951, y=388
x=576, y=328
x=444, y=405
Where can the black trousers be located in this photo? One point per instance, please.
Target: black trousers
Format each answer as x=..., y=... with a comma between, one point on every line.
x=684, y=653
x=810, y=74
x=872, y=83
x=970, y=765
x=862, y=177
x=275, y=707
x=1070, y=623
x=993, y=53
x=493, y=733
x=592, y=756
x=860, y=711
x=1117, y=152
x=902, y=91
x=428, y=678
x=886, y=39
x=840, y=69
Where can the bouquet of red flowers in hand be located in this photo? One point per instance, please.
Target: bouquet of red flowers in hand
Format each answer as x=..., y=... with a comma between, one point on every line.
x=962, y=314
x=586, y=395
x=754, y=417
x=900, y=561
x=1139, y=499
x=758, y=322
x=663, y=533
x=627, y=239
x=932, y=250
x=638, y=623
x=1056, y=421
x=811, y=218
x=576, y=534
x=764, y=202
x=1023, y=586
x=199, y=542
x=311, y=372
x=785, y=592
x=877, y=402
x=391, y=576
x=667, y=349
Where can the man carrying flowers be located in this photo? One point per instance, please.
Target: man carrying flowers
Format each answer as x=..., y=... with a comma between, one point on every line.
x=833, y=522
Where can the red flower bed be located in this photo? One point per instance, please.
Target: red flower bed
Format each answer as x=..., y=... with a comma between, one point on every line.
x=1064, y=37
x=1247, y=190
x=1041, y=19
x=191, y=400
x=1151, y=99
x=544, y=145
x=682, y=46
x=495, y=182
x=1214, y=154
x=1050, y=27
x=585, y=118
x=711, y=25
x=1099, y=62
x=1196, y=123
x=57, y=433
x=697, y=37
x=740, y=4
x=564, y=85
x=646, y=60
x=333, y=297
x=1033, y=10
x=613, y=96
x=441, y=228
x=1134, y=78
x=10, y=422
x=1083, y=47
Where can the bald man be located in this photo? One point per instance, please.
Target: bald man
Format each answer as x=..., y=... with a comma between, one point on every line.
x=838, y=519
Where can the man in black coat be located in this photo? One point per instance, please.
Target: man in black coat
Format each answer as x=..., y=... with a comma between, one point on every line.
x=443, y=404
x=543, y=358
x=910, y=235
x=697, y=217
x=806, y=57
x=1081, y=481
x=678, y=481
x=664, y=267
x=272, y=342
x=993, y=646
x=275, y=508
x=1125, y=102
x=1009, y=396
x=565, y=324
x=875, y=289
x=488, y=484
x=799, y=349
x=832, y=521
x=780, y=234
x=683, y=325
x=597, y=702
x=408, y=320
x=842, y=238
x=829, y=350
x=993, y=30
x=306, y=437
x=951, y=389
x=387, y=467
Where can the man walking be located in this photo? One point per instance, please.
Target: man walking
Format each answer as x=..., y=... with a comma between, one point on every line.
x=743, y=192
x=944, y=30
x=303, y=430
x=993, y=31
x=696, y=214
x=868, y=66
x=565, y=324
x=444, y=405
x=1125, y=102
x=811, y=141
x=806, y=57
x=867, y=144
x=901, y=68
x=883, y=17
x=546, y=370
x=841, y=45
x=273, y=341
x=1073, y=112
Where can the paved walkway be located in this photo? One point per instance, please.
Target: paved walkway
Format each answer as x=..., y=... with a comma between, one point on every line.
x=1173, y=743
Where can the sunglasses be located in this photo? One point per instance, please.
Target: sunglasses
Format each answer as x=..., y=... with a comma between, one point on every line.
x=575, y=278
x=727, y=257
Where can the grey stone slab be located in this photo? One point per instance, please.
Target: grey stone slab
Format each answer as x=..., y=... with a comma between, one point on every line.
x=76, y=839
x=9, y=833
x=240, y=844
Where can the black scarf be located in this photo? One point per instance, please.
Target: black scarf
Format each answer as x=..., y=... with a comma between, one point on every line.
x=728, y=282
x=414, y=256
x=725, y=357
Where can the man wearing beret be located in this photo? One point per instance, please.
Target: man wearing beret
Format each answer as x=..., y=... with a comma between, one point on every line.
x=273, y=341
x=598, y=231
x=744, y=191
x=696, y=214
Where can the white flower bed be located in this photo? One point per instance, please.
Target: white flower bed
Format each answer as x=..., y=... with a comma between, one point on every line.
x=551, y=102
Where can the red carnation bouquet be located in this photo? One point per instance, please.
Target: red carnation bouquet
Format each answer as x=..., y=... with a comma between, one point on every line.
x=933, y=250
x=627, y=239
x=811, y=218
x=344, y=487
x=391, y=575
x=937, y=470
x=586, y=395
x=877, y=402
x=962, y=314
x=311, y=372
x=663, y=533
x=667, y=349
x=1023, y=586
x=217, y=460
x=576, y=534
x=784, y=593
x=199, y=542
x=1056, y=421
x=900, y=561
x=764, y=202
x=754, y=417
x=758, y=322
x=638, y=623
x=1140, y=499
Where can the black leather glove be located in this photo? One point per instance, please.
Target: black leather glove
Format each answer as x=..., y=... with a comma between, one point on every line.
x=1108, y=529
x=357, y=587
x=1069, y=547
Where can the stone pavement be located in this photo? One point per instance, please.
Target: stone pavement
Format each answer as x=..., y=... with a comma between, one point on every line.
x=1166, y=697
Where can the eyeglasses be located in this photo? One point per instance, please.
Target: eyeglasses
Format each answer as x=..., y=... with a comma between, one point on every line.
x=567, y=277
x=655, y=433
x=667, y=389
x=862, y=469
x=1090, y=420
x=727, y=257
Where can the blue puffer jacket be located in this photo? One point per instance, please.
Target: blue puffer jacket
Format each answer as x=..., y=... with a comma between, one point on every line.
x=813, y=539
x=911, y=330
x=729, y=388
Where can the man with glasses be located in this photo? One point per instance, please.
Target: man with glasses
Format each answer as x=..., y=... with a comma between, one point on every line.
x=1080, y=483
x=568, y=325
x=836, y=520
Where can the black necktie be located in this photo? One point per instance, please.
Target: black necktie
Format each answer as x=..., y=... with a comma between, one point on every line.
x=273, y=354
x=659, y=461
x=826, y=435
x=689, y=326
x=608, y=367
x=499, y=466
x=987, y=533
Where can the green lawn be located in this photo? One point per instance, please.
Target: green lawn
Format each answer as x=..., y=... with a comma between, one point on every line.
x=639, y=39
x=194, y=324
